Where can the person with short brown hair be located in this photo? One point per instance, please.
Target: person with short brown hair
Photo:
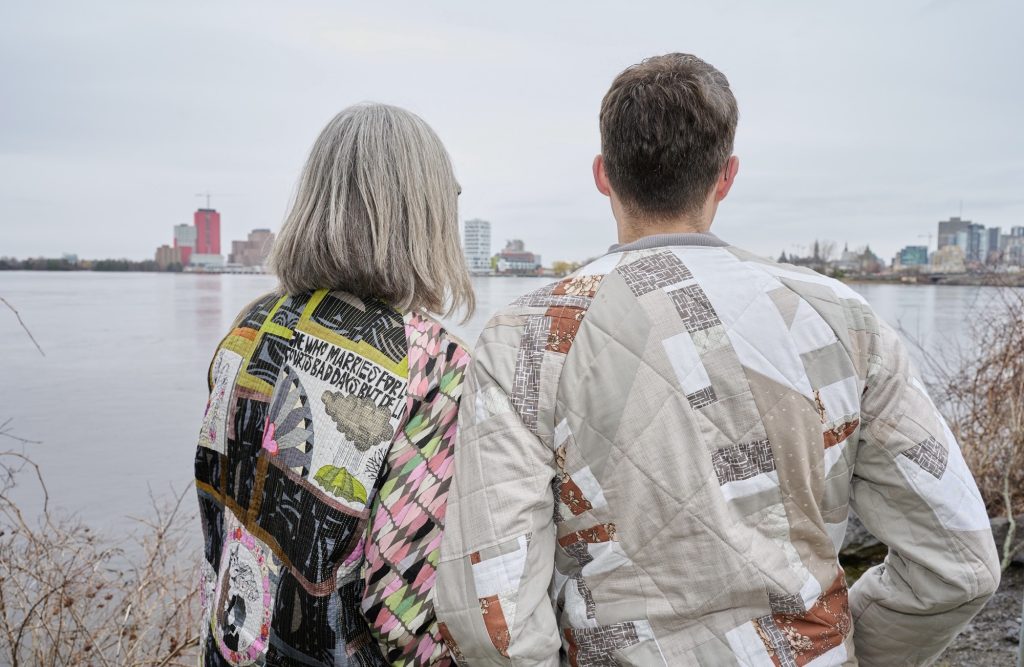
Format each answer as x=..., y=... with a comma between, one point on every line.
x=667, y=130
x=658, y=455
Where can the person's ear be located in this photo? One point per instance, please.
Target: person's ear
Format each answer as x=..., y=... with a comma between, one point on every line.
x=601, y=177
x=732, y=167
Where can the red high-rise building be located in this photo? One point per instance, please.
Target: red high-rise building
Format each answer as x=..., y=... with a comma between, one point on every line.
x=207, y=222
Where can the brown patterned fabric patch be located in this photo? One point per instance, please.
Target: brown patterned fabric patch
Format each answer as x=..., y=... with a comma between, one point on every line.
x=449, y=641
x=572, y=496
x=578, y=286
x=834, y=436
x=494, y=621
x=603, y=532
x=812, y=634
x=565, y=323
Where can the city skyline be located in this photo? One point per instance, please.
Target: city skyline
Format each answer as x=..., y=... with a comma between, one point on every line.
x=864, y=122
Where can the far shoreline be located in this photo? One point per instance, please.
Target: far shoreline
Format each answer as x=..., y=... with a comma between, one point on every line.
x=1013, y=280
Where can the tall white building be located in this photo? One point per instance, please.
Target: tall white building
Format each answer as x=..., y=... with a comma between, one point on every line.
x=476, y=245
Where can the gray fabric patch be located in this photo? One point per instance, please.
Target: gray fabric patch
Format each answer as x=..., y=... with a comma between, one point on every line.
x=743, y=461
x=694, y=308
x=596, y=646
x=790, y=605
x=786, y=301
x=930, y=455
x=828, y=365
x=654, y=272
x=702, y=398
x=526, y=383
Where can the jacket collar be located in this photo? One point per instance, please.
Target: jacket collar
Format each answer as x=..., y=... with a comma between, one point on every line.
x=706, y=239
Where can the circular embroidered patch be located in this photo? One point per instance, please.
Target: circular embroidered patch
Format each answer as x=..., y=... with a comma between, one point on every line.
x=243, y=599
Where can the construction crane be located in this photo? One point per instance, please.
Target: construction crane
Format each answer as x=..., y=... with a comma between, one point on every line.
x=929, y=237
x=207, y=195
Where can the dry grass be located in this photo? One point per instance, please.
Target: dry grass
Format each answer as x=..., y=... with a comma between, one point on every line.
x=71, y=597
x=982, y=397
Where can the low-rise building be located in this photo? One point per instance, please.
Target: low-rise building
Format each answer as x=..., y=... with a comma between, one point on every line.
x=207, y=261
x=515, y=259
x=168, y=256
x=912, y=257
x=254, y=250
x=949, y=259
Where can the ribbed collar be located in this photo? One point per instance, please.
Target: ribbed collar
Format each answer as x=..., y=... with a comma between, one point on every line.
x=661, y=240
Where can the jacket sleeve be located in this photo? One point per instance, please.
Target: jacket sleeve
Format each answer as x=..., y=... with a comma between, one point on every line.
x=405, y=525
x=497, y=554
x=913, y=491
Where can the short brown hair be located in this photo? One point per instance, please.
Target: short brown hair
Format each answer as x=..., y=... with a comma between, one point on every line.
x=667, y=130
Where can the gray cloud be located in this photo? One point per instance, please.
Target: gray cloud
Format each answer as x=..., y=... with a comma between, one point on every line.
x=864, y=122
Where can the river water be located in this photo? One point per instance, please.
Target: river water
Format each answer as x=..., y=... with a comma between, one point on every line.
x=115, y=404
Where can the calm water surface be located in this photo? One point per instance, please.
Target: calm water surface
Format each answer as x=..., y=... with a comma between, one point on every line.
x=116, y=402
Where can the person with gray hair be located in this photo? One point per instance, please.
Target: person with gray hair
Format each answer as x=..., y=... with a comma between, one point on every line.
x=658, y=454
x=325, y=453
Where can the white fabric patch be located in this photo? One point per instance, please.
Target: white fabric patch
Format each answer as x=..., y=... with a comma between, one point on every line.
x=601, y=266
x=591, y=488
x=491, y=402
x=678, y=285
x=500, y=574
x=747, y=646
x=839, y=288
x=810, y=331
x=748, y=487
x=810, y=592
x=213, y=433
x=576, y=607
x=834, y=657
x=607, y=557
x=774, y=523
x=833, y=454
x=508, y=602
x=755, y=327
x=841, y=399
x=954, y=498
x=644, y=631
x=562, y=433
x=837, y=532
x=685, y=360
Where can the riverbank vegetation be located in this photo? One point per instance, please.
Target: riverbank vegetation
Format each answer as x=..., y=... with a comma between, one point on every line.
x=980, y=390
x=69, y=596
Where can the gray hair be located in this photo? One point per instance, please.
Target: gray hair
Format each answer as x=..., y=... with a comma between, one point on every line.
x=376, y=214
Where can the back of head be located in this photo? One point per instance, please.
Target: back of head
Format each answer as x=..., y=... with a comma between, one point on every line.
x=667, y=130
x=376, y=214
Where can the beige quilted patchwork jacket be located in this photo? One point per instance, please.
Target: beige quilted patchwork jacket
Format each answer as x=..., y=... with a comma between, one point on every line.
x=656, y=461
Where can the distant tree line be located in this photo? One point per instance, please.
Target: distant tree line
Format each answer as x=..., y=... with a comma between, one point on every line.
x=54, y=264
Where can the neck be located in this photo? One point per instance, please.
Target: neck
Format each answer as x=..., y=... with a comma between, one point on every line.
x=631, y=229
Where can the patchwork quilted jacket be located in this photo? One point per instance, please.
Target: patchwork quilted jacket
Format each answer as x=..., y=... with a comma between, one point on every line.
x=322, y=470
x=657, y=458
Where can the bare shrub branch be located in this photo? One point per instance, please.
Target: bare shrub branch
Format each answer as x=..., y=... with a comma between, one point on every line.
x=980, y=390
x=22, y=323
x=69, y=596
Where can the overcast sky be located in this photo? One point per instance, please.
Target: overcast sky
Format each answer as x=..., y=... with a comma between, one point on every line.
x=859, y=122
